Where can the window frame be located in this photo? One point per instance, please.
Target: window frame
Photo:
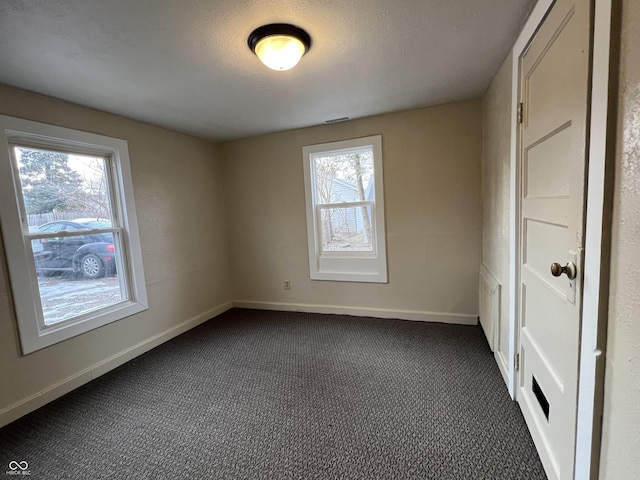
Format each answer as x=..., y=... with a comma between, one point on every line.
x=34, y=334
x=346, y=266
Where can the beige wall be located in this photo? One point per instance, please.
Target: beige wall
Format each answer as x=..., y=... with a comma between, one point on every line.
x=431, y=169
x=180, y=206
x=620, y=459
x=496, y=158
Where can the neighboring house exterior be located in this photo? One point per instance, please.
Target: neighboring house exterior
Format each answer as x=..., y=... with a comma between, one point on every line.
x=348, y=221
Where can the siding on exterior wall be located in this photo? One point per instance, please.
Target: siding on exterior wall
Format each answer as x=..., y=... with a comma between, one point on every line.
x=431, y=163
x=175, y=179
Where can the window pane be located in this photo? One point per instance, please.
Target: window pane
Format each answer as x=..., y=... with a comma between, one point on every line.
x=61, y=186
x=76, y=276
x=65, y=192
x=69, y=176
x=344, y=177
x=346, y=229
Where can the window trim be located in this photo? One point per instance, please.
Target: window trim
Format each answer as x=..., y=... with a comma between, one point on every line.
x=363, y=266
x=17, y=241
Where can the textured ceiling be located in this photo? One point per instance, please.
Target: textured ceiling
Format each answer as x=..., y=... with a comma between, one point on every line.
x=185, y=65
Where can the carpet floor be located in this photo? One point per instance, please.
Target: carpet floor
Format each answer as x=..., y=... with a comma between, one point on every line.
x=274, y=395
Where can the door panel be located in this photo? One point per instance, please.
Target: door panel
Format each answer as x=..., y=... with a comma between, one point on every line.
x=547, y=66
x=544, y=327
x=554, y=72
x=542, y=244
x=551, y=154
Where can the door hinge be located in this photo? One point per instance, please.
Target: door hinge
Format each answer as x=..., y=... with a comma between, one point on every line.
x=517, y=362
x=520, y=112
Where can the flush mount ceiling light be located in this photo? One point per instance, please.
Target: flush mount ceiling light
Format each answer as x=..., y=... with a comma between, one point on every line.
x=279, y=46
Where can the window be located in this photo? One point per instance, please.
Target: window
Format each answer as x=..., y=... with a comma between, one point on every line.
x=69, y=229
x=345, y=210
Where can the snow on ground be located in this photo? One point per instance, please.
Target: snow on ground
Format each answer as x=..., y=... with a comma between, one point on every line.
x=66, y=297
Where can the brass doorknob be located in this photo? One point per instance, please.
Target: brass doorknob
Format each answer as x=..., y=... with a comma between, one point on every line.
x=569, y=270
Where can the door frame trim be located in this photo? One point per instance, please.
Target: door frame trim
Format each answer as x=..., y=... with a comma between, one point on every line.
x=597, y=248
x=594, y=298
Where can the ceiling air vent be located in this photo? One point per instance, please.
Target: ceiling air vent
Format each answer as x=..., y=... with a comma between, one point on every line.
x=337, y=120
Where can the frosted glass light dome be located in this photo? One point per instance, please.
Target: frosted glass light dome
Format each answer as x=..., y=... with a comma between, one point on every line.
x=279, y=46
x=280, y=52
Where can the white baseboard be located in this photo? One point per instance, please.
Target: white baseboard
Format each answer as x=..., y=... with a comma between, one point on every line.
x=37, y=400
x=415, y=315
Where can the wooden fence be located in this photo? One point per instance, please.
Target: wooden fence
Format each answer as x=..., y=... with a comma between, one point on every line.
x=40, y=218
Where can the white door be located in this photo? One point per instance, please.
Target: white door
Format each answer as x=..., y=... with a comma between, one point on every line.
x=554, y=73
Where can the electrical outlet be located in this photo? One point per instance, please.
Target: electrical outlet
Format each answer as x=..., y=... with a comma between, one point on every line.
x=287, y=285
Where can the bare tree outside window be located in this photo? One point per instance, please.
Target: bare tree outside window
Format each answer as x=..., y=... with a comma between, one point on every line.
x=345, y=178
x=345, y=210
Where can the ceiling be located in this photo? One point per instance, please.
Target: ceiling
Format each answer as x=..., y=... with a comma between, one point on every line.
x=185, y=64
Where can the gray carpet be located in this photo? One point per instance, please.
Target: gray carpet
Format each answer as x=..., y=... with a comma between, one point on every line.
x=272, y=395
